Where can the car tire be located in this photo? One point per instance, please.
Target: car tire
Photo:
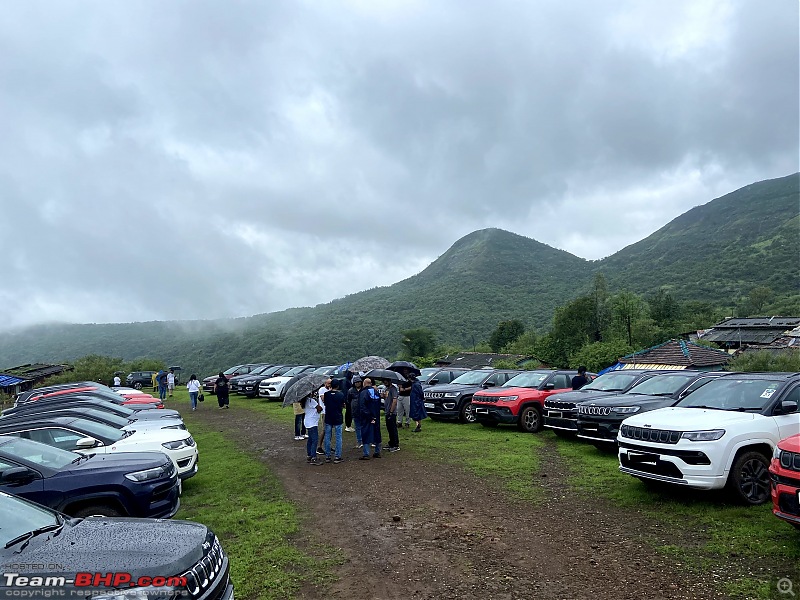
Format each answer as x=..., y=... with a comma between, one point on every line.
x=749, y=479
x=137, y=386
x=467, y=412
x=530, y=419
x=97, y=510
x=490, y=424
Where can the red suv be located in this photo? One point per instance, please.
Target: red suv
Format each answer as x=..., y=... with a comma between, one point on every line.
x=785, y=471
x=520, y=400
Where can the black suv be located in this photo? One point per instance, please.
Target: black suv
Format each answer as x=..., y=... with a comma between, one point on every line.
x=132, y=484
x=599, y=419
x=140, y=379
x=560, y=412
x=437, y=375
x=453, y=401
x=39, y=542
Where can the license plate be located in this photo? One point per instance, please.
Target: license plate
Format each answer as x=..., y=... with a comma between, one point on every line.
x=635, y=457
x=429, y=405
x=554, y=414
x=590, y=427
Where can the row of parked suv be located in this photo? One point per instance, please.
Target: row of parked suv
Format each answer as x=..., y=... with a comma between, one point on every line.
x=74, y=458
x=265, y=380
x=705, y=430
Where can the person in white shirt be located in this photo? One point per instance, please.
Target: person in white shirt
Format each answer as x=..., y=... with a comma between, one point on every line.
x=117, y=381
x=320, y=394
x=193, y=386
x=171, y=382
x=311, y=421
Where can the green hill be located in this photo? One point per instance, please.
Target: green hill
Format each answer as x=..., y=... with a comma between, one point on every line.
x=723, y=248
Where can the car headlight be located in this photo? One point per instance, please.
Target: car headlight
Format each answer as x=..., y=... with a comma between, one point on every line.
x=451, y=395
x=177, y=444
x=626, y=410
x=146, y=475
x=776, y=453
x=703, y=436
x=506, y=398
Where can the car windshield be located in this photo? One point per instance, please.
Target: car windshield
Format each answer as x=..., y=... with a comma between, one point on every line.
x=259, y=370
x=98, y=430
x=323, y=371
x=472, y=377
x=426, y=374
x=232, y=370
x=529, y=379
x=614, y=381
x=732, y=393
x=106, y=417
x=40, y=454
x=295, y=371
x=19, y=517
x=662, y=385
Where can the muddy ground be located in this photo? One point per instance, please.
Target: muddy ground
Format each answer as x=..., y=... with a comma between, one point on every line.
x=416, y=528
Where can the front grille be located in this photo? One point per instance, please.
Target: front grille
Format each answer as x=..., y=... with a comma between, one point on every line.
x=599, y=411
x=790, y=460
x=788, y=503
x=434, y=394
x=204, y=575
x=559, y=404
x=184, y=462
x=660, y=436
x=487, y=399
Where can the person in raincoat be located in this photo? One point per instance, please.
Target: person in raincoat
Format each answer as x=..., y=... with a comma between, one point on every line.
x=369, y=410
x=418, y=411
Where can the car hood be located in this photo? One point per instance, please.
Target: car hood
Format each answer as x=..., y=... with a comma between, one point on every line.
x=277, y=380
x=454, y=387
x=580, y=395
x=689, y=419
x=510, y=391
x=642, y=400
x=154, y=413
x=128, y=461
x=135, y=546
x=158, y=436
x=147, y=424
x=791, y=444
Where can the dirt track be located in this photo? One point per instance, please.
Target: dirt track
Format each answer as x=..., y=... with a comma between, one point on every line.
x=457, y=537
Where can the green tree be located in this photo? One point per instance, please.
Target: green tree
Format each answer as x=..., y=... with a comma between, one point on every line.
x=505, y=333
x=600, y=355
x=664, y=310
x=418, y=342
x=627, y=309
x=788, y=361
x=756, y=300
x=524, y=344
x=602, y=316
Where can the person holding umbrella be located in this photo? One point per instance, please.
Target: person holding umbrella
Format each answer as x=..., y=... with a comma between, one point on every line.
x=352, y=401
x=369, y=409
x=390, y=410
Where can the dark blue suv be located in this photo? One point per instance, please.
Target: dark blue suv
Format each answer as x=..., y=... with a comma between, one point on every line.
x=133, y=484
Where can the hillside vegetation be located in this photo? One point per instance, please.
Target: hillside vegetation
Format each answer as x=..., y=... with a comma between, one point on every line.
x=713, y=253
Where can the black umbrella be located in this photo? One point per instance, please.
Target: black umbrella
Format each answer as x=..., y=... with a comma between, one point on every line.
x=302, y=388
x=385, y=374
x=401, y=365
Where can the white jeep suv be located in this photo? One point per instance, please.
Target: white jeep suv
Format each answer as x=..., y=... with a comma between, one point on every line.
x=721, y=435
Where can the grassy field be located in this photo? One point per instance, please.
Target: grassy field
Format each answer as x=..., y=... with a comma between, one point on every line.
x=248, y=513
x=745, y=549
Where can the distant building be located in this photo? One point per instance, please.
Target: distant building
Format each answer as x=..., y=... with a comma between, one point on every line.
x=755, y=333
x=676, y=355
x=24, y=377
x=477, y=360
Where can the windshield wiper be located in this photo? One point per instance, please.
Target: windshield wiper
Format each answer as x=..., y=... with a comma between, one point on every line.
x=127, y=433
x=81, y=457
x=747, y=408
x=703, y=406
x=26, y=537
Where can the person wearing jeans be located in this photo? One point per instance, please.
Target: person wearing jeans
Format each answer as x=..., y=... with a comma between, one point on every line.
x=334, y=401
x=369, y=409
x=299, y=427
x=193, y=385
x=311, y=421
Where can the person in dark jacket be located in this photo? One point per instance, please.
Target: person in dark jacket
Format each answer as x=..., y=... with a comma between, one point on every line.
x=221, y=389
x=345, y=384
x=369, y=410
x=580, y=379
x=352, y=402
x=418, y=411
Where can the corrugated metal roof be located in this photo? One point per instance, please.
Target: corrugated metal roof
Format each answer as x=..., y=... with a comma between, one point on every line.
x=779, y=322
x=745, y=336
x=9, y=380
x=678, y=352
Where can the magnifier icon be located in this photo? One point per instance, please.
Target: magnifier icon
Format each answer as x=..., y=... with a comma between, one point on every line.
x=785, y=587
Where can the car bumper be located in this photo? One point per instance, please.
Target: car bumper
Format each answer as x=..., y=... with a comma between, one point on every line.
x=249, y=390
x=442, y=410
x=655, y=463
x=561, y=419
x=493, y=414
x=269, y=392
x=186, y=459
x=785, y=491
x=598, y=431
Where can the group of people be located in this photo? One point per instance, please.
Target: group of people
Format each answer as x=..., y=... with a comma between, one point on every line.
x=164, y=382
x=319, y=417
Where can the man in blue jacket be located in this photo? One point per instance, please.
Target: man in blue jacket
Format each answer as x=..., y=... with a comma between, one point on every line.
x=369, y=410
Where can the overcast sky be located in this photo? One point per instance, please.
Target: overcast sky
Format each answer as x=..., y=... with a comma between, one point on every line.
x=203, y=159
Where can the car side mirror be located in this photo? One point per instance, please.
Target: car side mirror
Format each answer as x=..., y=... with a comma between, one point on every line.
x=18, y=476
x=489, y=384
x=433, y=381
x=787, y=407
x=549, y=386
x=85, y=443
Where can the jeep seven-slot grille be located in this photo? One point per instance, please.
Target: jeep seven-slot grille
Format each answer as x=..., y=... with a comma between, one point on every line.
x=790, y=460
x=559, y=404
x=660, y=436
x=594, y=410
x=487, y=399
x=434, y=395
